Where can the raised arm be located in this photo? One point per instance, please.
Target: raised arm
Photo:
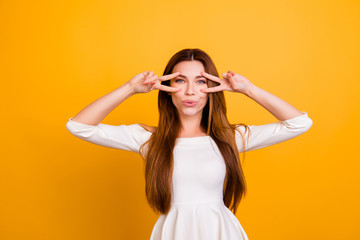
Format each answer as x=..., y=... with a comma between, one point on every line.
x=236, y=83
x=86, y=124
x=144, y=82
x=281, y=109
x=292, y=122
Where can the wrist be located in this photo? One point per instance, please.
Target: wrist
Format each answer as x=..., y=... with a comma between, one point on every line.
x=251, y=90
x=129, y=89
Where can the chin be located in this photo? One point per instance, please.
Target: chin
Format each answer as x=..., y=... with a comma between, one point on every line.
x=191, y=112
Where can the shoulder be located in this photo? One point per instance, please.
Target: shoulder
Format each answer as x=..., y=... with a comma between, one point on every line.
x=242, y=128
x=148, y=128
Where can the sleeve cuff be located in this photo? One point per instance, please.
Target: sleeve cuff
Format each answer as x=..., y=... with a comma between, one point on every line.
x=79, y=124
x=303, y=116
x=299, y=121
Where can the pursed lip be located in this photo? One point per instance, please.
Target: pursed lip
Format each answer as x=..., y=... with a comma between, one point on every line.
x=189, y=103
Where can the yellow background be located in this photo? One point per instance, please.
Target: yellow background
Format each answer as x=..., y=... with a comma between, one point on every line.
x=58, y=56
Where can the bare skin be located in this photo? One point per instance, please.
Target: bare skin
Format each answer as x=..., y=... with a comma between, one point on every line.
x=145, y=82
x=233, y=82
x=191, y=83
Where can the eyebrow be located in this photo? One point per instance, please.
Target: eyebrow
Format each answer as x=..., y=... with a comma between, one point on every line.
x=195, y=77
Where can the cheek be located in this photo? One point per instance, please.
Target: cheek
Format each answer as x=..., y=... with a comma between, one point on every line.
x=203, y=86
x=179, y=93
x=204, y=99
x=175, y=97
x=204, y=95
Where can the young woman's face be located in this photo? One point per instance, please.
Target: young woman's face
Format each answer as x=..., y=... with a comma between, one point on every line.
x=189, y=101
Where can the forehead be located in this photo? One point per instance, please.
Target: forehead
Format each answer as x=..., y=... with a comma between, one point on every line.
x=189, y=67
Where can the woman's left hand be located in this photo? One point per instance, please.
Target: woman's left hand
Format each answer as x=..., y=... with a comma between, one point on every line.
x=231, y=81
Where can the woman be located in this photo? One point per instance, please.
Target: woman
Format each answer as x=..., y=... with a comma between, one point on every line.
x=193, y=174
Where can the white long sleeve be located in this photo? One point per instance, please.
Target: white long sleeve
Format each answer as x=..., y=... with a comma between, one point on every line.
x=131, y=137
x=269, y=134
x=125, y=137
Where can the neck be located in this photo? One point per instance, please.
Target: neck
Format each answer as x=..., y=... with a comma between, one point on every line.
x=191, y=126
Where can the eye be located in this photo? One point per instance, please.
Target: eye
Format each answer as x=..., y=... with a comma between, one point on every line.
x=179, y=80
x=202, y=81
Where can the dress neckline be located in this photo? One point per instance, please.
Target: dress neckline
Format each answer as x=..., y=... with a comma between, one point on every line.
x=184, y=139
x=193, y=139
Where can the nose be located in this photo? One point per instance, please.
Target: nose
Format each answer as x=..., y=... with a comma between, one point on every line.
x=189, y=89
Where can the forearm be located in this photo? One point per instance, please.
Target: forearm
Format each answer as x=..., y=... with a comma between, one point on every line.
x=281, y=109
x=96, y=111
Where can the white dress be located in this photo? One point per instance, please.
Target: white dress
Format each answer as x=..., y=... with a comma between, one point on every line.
x=197, y=209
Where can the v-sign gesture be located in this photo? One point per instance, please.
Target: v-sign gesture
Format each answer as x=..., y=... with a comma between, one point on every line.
x=146, y=81
x=231, y=81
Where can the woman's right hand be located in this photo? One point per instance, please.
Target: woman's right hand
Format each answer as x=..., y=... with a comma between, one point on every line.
x=146, y=81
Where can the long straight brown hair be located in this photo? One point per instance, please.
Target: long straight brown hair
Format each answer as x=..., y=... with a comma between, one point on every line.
x=159, y=160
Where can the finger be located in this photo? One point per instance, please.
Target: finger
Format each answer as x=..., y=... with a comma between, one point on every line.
x=167, y=88
x=152, y=79
x=232, y=80
x=152, y=87
x=224, y=75
x=210, y=77
x=150, y=74
x=229, y=77
x=231, y=72
x=170, y=76
x=212, y=89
